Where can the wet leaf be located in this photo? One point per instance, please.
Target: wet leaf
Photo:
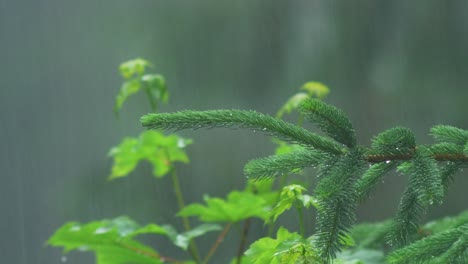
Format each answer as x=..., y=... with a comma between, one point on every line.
x=130, y=68
x=153, y=146
x=316, y=89
x=111, y=240
x=238, y=206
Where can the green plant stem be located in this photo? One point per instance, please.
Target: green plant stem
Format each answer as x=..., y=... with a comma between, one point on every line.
x=218, y=242
x=243, y=241
x=180, y=201
x=300, y=213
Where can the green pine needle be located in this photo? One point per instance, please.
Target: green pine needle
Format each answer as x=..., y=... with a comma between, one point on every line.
x=424, y=189
x=448, y=172
x=406, y=223
x=425, y=177
x=278, y=165
x=372, y=177
x=330, y=120
x=337, y=203
x=443, y=133
x=239, y=118
x=397, y=141
x=447, y=247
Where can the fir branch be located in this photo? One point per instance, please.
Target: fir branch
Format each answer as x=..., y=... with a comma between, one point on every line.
x=443, y=133
x=370, y=235
x=398, y=142
x=424, y=189
x=455, y=157
x=337, y=203
x=243, y=119
x=330, y=120
x=406, y=223
x=425, y=177
x=447, y=173
x=371, y=178
x=449, y=245
x=278, y=165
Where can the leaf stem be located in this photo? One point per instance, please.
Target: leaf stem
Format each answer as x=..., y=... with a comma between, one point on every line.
x=243, y=242
x=218, y=241
x=180, y=201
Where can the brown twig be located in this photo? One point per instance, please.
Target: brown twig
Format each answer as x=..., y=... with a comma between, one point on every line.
x=407, y=156
x=243, y=242
x=218, y=242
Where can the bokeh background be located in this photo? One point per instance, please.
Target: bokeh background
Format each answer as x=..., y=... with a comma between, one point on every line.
x=387, y=63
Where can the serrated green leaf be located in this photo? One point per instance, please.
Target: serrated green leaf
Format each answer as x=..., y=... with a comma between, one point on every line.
x=154, y=85
x=111, y=240
x=238, y=206
x=286, y=248
x=316, y=89
x=153, y=146
x=182, y=240
x=128, y=88
x=308, y=200
x=156, y=89
x=292, y=104
x=130, y=68
x=264, y=189
x=291, y=195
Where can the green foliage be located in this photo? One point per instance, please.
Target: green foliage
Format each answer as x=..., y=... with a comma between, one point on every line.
x=337, y=201
x=312, y=89
x=238, y=206
x=445, y=247
x=244, y=119
x=316, y=89
x=371, y=178
x=182, y=240
x=154, y=85
x=364, y=256
x=292, y=195
x=424, y=189
x=161, y=151
x=112, y=240
x=278, y=165
x=442, y=133
x=398, y=141
x=370, y=235
x=331, y=120
x=347, y=174
x=286, y=248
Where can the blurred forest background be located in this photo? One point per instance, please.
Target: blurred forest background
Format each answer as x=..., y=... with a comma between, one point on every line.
x=387, y=63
